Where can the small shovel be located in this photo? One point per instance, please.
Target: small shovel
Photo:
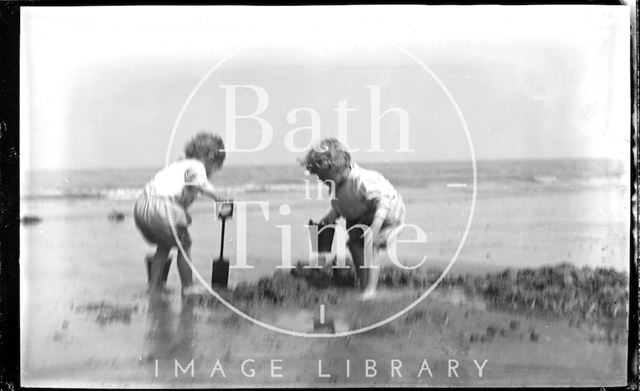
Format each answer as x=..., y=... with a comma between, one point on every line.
x=220, y=269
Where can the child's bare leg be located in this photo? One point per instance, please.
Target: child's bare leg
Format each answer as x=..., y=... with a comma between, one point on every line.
x=373, y=274
x=356, y=248
x=368, y=276
x=183, y=268
x=156, y=268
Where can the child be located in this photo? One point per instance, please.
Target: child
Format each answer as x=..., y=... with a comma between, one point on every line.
x=365, y=199
x=168, y=195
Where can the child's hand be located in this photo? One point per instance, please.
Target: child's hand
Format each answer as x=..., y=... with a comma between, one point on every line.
x=376, y=226
x=378, y=219
x=330, y=218
x=326, y=221
x=226, y=207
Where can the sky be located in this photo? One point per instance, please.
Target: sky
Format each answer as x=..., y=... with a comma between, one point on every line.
x=104, y=87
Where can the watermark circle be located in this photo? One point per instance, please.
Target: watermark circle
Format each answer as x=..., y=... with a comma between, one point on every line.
x=391, y=318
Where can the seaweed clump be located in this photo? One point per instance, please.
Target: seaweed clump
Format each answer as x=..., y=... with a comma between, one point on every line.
x=30, y=220
x=557, y=290
x=393, y=277
x=116, y=216
x=563, y=290
x=305, y=287
x=109, y=313
x=310, y=286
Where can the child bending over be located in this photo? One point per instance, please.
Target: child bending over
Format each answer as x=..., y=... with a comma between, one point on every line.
x=168, y=196
x=366, y=200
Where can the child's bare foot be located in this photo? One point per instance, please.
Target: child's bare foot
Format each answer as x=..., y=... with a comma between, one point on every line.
x=158, y=303
x=193, y=290
x=154, y=289
x=167, y=290
x=368, y=294
x=163, y=289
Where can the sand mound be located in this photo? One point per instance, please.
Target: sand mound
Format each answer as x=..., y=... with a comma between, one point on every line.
x=560, y=290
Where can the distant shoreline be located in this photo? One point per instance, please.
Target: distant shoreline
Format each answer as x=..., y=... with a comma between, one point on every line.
x=363, y=162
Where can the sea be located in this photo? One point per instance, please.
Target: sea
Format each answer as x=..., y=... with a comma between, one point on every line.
x=526, y=214
x=493, y=178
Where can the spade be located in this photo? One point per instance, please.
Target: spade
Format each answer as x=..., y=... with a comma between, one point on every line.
x=220, y=269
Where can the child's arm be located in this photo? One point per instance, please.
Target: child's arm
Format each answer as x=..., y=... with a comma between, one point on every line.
x=331, y=217
x=196, y=177
x=381, y=213
x=207, y=189
x=373, y=187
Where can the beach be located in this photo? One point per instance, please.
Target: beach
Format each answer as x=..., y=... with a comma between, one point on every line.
x=87, y=320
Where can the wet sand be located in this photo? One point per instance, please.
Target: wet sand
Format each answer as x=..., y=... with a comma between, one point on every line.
x=87, y=320
x=522, y=350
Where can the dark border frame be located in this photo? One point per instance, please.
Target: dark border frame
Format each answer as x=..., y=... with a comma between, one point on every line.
x=10, y=182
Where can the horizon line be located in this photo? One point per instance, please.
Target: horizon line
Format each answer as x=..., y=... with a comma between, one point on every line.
x=436, y=161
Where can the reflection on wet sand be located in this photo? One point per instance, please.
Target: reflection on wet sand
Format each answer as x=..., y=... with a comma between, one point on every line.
x=169, y=336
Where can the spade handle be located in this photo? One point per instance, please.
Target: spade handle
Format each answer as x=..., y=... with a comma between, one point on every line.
x=224, y=220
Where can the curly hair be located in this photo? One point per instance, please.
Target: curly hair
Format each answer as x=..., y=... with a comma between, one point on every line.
x=205, y=145
x=328, y=154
